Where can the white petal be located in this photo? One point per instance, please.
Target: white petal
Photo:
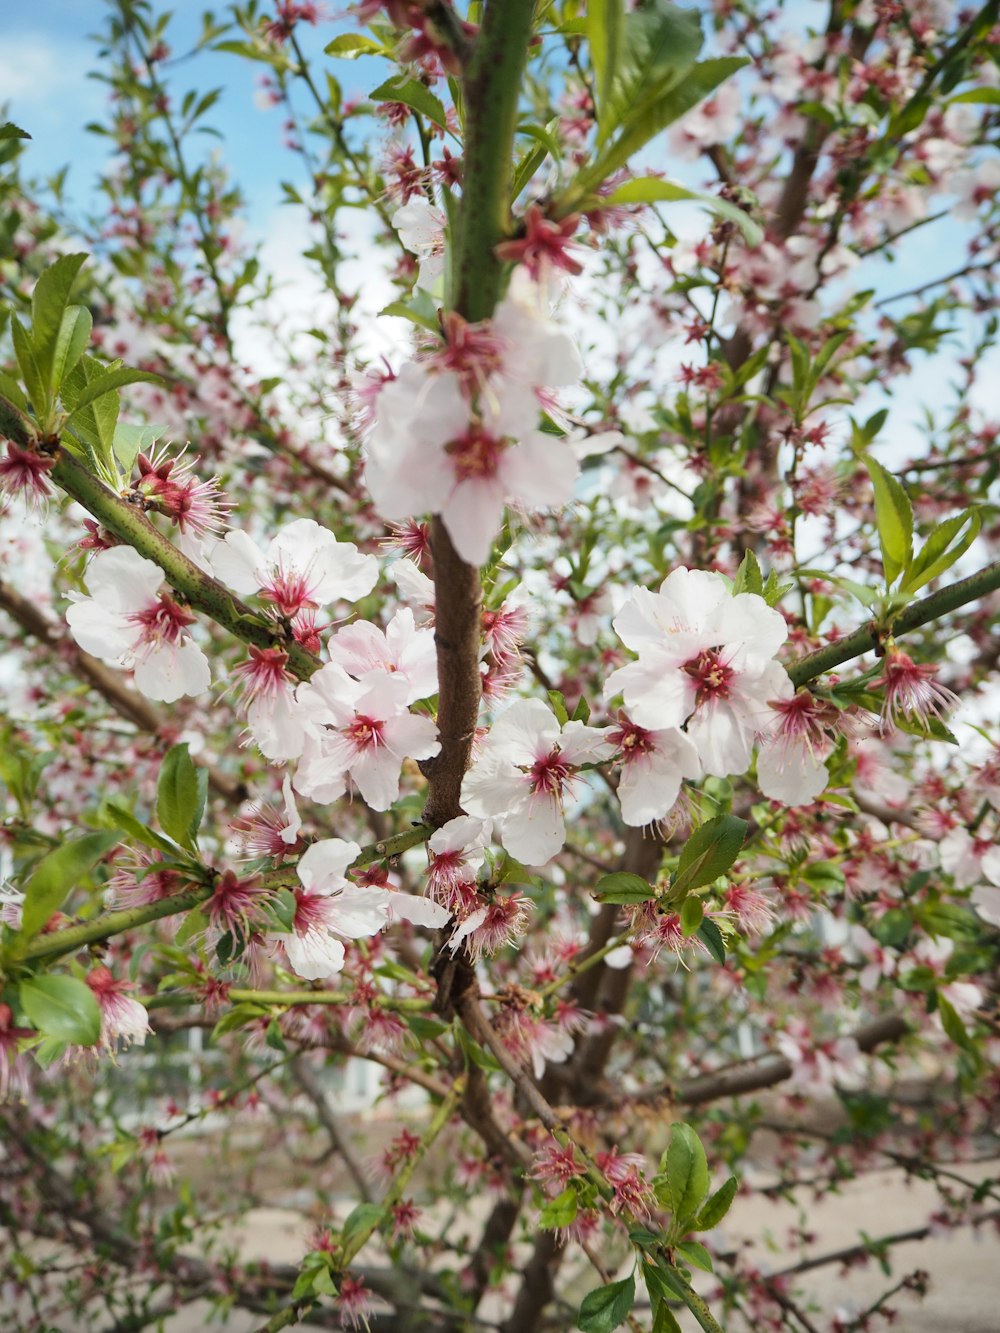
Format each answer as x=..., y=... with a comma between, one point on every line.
x=419, y=911
x=323, y=866
x=789, y=773
x=100, y=631
x=123, y=580
x=536, y=832
x=359, y=912
x=314, y=955
x=169, y=672
x=540, y=472
x=237, y=562
x=473, y=514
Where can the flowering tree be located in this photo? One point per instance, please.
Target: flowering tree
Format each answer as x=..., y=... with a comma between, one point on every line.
x=554, y=712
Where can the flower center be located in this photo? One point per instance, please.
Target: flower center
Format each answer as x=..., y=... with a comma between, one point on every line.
x=476, y=454
x=162, y=622
x=549, y=774
x=632, y=740
x=711, y=676
x=290, y=591
x=366, y=733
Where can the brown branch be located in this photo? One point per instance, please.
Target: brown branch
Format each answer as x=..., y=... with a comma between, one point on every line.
x=737, y=1082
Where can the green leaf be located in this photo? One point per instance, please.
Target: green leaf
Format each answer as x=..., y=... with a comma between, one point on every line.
x=116, y=816
x=48, y=306
x=195, y=923
x=749, y=577
x=8, y=130
x=695, y=1253
x=945, y=544
x=658, y=44
x=359, y=1220
x=684, y=1170
x=608, y=1307
x=57, y=873
x=95, y=422
x=180, y=796
x=714, y=941
x=652, y=190
x=991, y=96
x=894, y=518
x=350, y=45
x=624, y=888
x=692, y=916
x=649, y=117
x=717, y=1205
x=108, y=382
x=129, y=440
x=413, y=94
x=709, y=852
x=62, y=1007
x=558, y=706
x=605, y=30
x=581, y=713
x=560, y=1211
x=71, y=342
x=953, y=1025
x=31, y=373
x=419, y=309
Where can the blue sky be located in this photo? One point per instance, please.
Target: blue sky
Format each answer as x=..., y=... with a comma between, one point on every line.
x=46, y=55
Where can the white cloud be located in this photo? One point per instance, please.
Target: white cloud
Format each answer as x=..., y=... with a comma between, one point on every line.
x=43, y=81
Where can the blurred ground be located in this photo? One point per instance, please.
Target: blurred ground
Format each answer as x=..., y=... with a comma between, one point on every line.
x=964, y=1295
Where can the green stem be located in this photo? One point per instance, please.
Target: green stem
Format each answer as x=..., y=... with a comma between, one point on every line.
x=203, y=592
x=492, y=85
x=61, y=942
x=869, y=636
x=114, y=923
x=405, y=1005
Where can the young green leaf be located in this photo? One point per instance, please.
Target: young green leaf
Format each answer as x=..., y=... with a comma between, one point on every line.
x=622, y=887
x=945, y=544
x=180, y=796
x=709, y=852
x=57, y=873
x=605, y=30
x=413, y=94
x=48, y=306
x=713, y=939
x=695, y=1253
x=652, y=190
x=62, y=1007
x=717, y=1205
x=684, y=1170
x=894, y=519
x=607, y=1308
x=658, y=45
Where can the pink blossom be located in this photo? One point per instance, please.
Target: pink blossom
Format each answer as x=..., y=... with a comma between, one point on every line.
x=911, y=692
x=359, y=731
x=363, y=648
x=653, y=765
x=24, y=472
x=705, y=663
x=128, y=622
x=122, y=1019
x=523, y=774
x=791, y=765
x=304, y=567
x=456, y=852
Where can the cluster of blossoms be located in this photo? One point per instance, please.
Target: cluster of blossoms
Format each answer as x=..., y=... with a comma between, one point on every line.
x=330, y=908
x=456, y=432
